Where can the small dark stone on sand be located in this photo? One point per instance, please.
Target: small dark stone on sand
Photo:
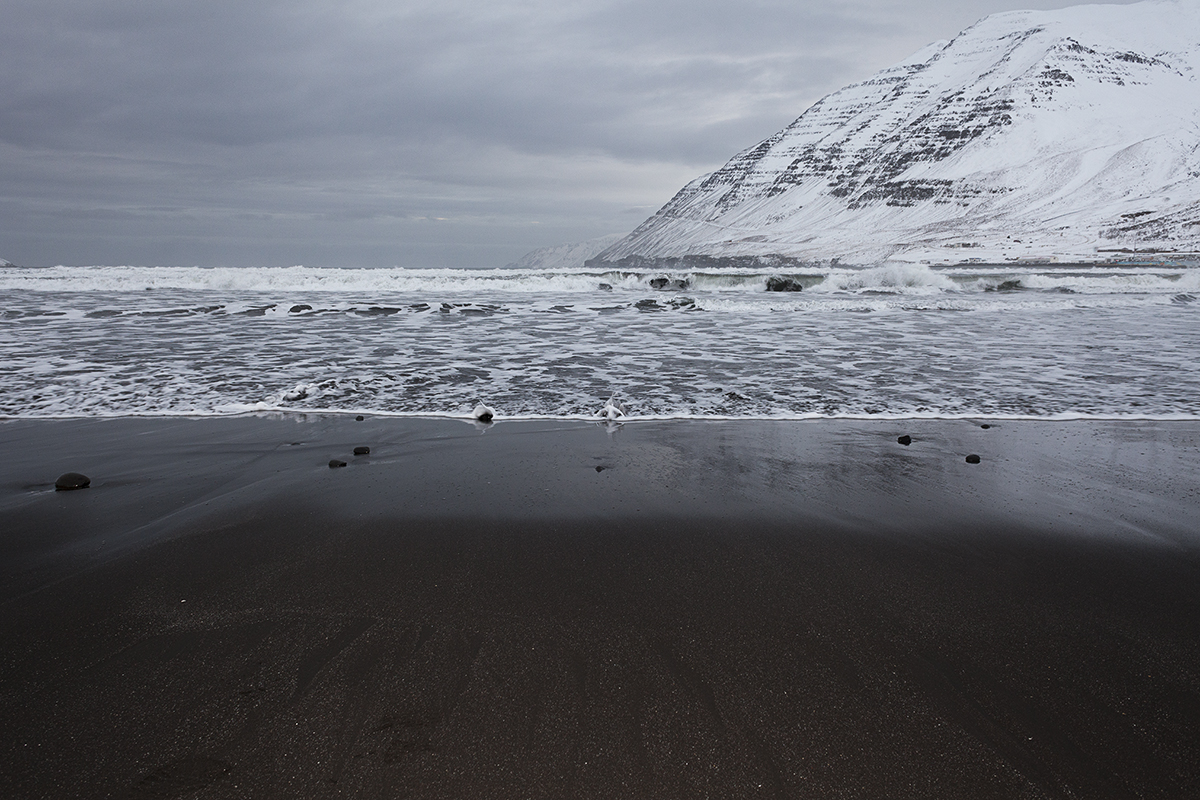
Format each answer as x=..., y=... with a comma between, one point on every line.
x=334, y=463
x=972, y=459
x=299, y=308
x=905, y=440
x=362, y=451
x=72, y=480
x=599, y=469
x=985, y=427
x=359, y=418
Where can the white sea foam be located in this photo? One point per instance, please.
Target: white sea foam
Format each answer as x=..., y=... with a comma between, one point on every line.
x=892, y=342
x=911, y=278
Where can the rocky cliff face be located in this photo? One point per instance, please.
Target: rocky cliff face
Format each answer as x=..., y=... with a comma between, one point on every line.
x=1059, y=135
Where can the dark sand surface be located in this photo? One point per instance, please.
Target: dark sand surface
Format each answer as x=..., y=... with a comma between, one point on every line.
x=733, y=609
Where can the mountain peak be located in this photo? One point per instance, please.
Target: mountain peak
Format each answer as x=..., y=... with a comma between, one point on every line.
x=1045, y=135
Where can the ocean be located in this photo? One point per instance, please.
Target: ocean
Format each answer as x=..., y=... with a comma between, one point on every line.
x=900, y=341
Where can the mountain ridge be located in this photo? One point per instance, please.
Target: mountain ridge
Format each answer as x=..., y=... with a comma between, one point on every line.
x=1068, y=135
x=565, y=256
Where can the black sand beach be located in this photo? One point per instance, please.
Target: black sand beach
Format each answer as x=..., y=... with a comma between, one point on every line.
x=552, y=609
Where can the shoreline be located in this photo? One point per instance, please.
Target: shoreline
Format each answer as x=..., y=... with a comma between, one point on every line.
x=549, y=608
x=301, y=415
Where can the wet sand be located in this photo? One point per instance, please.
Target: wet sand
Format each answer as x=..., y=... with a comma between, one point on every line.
x=552, y=609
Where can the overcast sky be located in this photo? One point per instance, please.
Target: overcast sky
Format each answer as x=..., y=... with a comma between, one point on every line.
x=411, y=133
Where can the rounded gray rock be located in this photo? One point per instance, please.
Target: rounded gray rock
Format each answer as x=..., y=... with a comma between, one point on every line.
x=72, y=480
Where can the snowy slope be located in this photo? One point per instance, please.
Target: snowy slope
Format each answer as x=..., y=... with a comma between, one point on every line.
x=1053, y=135
x=565, y=256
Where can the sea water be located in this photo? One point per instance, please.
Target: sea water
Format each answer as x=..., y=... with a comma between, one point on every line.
x=892, y=341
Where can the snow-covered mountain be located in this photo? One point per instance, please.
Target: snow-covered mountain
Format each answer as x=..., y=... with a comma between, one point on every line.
x=565, y=256
x=1045, y=135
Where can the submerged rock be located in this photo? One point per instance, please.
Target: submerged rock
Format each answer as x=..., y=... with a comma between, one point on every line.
x=334, y=463
x=905, y=440
x=362, y=451
x=972, y=459
x=605, y=287
x=778, y=283
x=72, y=480
x=298, y=308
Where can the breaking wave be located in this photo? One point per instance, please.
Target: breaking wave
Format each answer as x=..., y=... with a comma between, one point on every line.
x=886, y=279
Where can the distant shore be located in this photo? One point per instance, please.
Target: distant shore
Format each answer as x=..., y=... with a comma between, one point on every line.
x=560, y=609
x=1115, y=258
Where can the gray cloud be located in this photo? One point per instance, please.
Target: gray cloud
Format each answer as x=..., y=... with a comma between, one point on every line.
x=419, y=133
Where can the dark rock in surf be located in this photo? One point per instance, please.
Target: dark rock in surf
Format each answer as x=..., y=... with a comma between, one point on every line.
x=778, y=283
x=362, y=451
x=905, y=440
x=299, y=308
x=72, y=480
x=972, y=459
x=605, y=287
x=1009, y=286
x=985, y=426
x=669, y=283
x=334, y=463
x=359, y=418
